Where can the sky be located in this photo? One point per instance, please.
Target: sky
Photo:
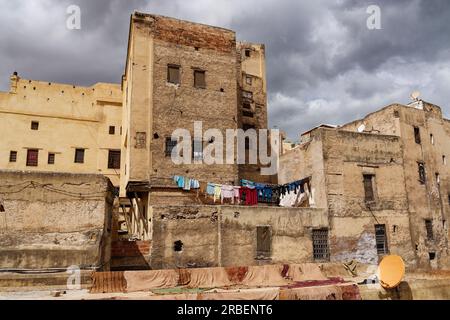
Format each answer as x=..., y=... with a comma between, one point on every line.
x=324, y=65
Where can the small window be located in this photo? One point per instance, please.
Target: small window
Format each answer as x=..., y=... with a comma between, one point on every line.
x=249, y=114
x=438, y=178
x=263, y=241
x=248, y=80
x=381, y=239
x=247, y=95
x=444, y=160
x=197, y=150
x=114, y=159
x=247, y=105
x=173, y=74
x=432, y=139
x=13, y=156
x=170, y=145
x=32, y=157
x=34, y=125
x=369, y=181
x=112, y=130
x=449, y=198
x=79, y=155
x=247, y=52
x=321, y=251
x=422, y=175
x=429, y=228
x=51, y=158
x=396, y=114
x=199, y=79
x=178, y=246
x=417, y=135
x=432, y=255
x=246, y=127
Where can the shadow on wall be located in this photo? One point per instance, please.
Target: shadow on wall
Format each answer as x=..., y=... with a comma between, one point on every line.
x=130, y=255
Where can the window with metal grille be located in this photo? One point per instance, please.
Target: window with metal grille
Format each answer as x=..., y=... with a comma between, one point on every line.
x=114, y=159
x=173, y=74
x=32, y=157
x=321, y=251
x=34, y=125
x=79, y=155
x=429, y=228
x=381, y=239
x=199, y=79
x=51, y=158
x=197, y=150
x=417, y=135
x=13, y=156
x=112, y=130
x=263, y=241
x=170, y=145
x=369, y=193
x=422, y=175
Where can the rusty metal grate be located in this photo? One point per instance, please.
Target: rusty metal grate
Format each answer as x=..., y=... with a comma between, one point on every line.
x=321, y=249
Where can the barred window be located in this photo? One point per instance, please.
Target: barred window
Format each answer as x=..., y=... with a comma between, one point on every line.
x=51, y=158
x=13, y=156
x=381, y=239
x=114, y=159
x=197, y=150
x=79, y=155
x=321, y=251
x=170, y=145
x=32, y=157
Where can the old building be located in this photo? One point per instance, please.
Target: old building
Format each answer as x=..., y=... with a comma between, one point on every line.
x=385, y=182
x=57, y=127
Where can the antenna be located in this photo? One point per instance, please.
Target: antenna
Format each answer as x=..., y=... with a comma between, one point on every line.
x=415, y=95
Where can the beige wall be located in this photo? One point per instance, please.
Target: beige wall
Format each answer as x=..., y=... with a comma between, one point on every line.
x=69, y=117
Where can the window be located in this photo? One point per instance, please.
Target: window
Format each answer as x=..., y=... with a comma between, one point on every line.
x=199, y=79
x=247, y=105
x=247, y=52
x=444, y=160
x=417, y=135
x=34, y=125
x=438, y=178
x=79, y=155
x=369, y=182
x=32, y=157
x=13, y=156
x=429, y=229
x=246, y=113
x=248, y=80
x=170, y=145
x=247, y=95
x=51, y=158
x=197, y=150
x=431, y=139
x=246, y=127
x=114, y=159
x=263, y=241
x=449, y=198
x=396, y=114
x=381, y=239
x=112, y=130
x=178, y=246
x=422, y=176
x=321, y=250
x=432, y=255
x=173, y=74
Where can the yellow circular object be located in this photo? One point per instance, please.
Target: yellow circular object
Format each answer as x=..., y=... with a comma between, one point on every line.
x=392, y=270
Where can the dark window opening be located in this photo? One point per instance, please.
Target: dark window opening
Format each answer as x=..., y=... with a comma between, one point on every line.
x=199, y=79
x=170, y=145
x=417, y=135
x=112, y=130
x=246, y=127
x=263, y=241
x=249, y=114
x=321, y=251
x=438, y=178
x=431, y=139
x=422, y=175
x=114, y=159
x=13, y=156
x=51, y=158
x=34, y=125
x=173, y=74
x=32, y=157
x=381, y=239
x=369, y=193
x=247, y=52
x=79, y=155
x=247, y=95
x=155, y=136
x=178, y=246
x=449, y=198
x=432, y=255
x=396, y=114
x=444, y=160
x=394, y=228
x=247, y=105
x=429, y=229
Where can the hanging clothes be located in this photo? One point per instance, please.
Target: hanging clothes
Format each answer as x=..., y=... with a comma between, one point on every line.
x=179, y=181
x=249, y=196
x=187, y=184
x=195, y=184
x=227, y=192
x=210, y=189
x=247, y=183
x=217, y=192
x=237, y=194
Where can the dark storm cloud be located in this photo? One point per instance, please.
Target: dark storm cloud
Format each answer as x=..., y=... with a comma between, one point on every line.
x=323, y=64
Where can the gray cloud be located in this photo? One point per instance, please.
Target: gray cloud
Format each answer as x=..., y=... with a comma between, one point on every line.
x=324, y=65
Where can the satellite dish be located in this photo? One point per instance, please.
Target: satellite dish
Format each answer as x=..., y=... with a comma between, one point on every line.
x=392, y=271
x=361, y=128
x=415, y=95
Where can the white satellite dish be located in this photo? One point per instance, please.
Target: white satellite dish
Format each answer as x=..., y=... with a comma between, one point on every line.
x=415, y=95
x=361, y=128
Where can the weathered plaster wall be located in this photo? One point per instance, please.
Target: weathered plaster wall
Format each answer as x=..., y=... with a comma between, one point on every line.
x=47, y=224
x=226, y=235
